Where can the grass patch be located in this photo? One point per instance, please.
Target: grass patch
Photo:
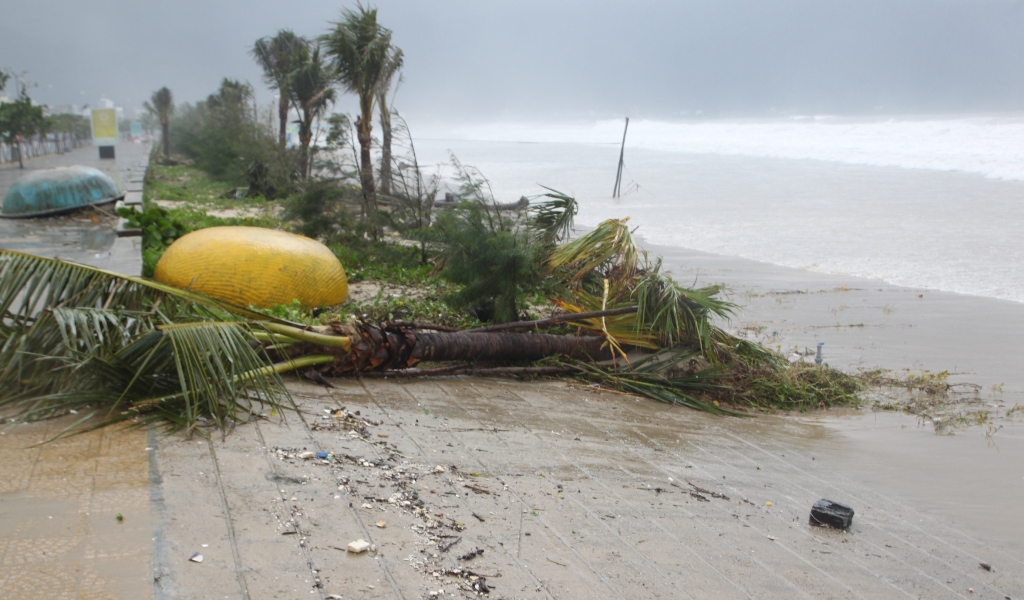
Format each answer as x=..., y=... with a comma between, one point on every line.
x=181, y=182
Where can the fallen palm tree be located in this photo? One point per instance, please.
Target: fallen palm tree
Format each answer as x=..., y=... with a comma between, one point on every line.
x=113, y=348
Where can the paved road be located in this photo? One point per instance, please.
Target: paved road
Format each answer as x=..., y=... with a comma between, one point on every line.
x=88, y=236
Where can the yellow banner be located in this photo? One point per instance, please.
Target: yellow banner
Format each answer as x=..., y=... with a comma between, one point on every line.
x=104, y=123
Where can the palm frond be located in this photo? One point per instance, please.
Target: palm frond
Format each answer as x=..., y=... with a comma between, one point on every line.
x=608, y=250
x=553, y=218
x=30, y=283
x=74, y=336
x=655, y=377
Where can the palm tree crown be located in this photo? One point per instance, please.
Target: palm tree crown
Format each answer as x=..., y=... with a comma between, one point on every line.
x=311, y=89
x=279, y=56
x=161, y=106
x=361, y=52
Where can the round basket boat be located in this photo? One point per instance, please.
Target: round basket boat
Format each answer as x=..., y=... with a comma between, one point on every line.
x=252, y=266
x=57, y=191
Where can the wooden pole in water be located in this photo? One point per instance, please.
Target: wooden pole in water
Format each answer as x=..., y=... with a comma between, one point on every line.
x=622, y=153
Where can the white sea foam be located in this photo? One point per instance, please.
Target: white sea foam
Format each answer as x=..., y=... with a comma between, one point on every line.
x=988, y=146
x=722, y=188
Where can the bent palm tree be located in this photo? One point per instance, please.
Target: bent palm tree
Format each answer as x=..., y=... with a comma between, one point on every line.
x=279, y=56
x=310, y=86
x=361, y=52
x=161, y=106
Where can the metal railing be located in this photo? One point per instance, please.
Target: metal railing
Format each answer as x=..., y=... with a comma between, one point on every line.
x=38, y=145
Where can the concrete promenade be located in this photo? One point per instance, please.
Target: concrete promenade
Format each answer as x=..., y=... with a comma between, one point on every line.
x=568, y=492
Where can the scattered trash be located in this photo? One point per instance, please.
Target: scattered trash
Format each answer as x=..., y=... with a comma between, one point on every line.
x=472, y=554
x=440, y=469
x=323, y=455
x=359, y=546
x=708, y=492
x=831, y=514
x=772, y=538
x=120, y=518
x=478, y=489
x=196, y=558
x=306, y=455
x=449, y=545
x=382, y=524
x=987, y=567
x=768, y=504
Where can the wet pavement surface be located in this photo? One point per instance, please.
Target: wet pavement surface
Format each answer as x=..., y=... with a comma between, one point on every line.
x=569, y=493
x=525, y=489
x=60, y=536
x=87, y=236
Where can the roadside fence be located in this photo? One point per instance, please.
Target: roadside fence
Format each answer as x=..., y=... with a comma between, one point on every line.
x=38, y=145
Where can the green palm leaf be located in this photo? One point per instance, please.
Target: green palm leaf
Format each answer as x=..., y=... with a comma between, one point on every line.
x=116, y=347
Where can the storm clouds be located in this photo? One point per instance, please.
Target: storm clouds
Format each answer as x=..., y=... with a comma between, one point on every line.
x=567, y=59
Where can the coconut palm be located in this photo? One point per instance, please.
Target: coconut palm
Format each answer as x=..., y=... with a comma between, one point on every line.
x=311, y=88
x=393, y=66
x=361, y=52
x=279, y=56
x=116, y=348
x=161, y=106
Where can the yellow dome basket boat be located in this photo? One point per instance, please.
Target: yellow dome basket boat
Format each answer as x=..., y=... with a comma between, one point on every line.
x=253, y=266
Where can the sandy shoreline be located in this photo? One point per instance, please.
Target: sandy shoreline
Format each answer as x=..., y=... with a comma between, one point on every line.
x=868, y=323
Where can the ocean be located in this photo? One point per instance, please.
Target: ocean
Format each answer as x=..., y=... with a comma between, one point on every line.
x=934, y=203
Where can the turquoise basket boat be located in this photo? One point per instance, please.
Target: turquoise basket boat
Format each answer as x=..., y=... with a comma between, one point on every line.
x=59, y=191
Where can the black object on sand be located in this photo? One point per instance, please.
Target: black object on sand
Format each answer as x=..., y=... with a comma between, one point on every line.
x=833, y=514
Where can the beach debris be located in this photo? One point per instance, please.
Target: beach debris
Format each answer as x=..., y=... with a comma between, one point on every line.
x=196, y=558
x=382, y=524
x=987, y=567
x=832, y=514
x=701, y=490
x=323, y=455
x=817, y=357
x=306, y=455
x=359, y=546
x=472, y=554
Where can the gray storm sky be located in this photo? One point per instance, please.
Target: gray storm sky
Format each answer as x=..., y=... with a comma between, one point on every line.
x=557, y=59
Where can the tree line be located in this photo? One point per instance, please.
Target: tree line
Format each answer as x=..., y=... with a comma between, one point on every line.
x=227, y=136
x=21, y=120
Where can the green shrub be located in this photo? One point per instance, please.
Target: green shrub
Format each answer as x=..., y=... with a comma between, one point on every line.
x=159, y=230
x=490, y=258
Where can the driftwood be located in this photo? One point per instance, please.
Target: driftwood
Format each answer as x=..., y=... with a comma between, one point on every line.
x=451, y=201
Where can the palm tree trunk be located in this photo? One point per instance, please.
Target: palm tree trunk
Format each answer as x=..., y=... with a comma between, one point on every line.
x=282, y=114
x=305, y=136
x=385, y=132
x=505, y=346
x=165, y=127
x=364, y=125
x=389, y=348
